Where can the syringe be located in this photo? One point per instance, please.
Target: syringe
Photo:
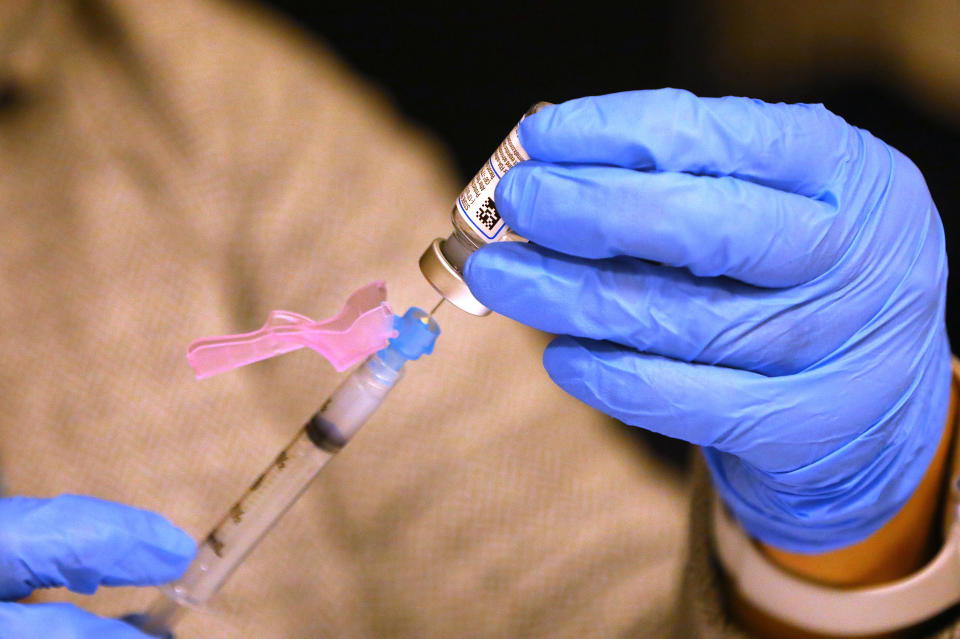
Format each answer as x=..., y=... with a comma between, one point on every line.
x=282, y=483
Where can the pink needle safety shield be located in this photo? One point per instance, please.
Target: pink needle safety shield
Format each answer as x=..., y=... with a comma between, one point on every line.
x=360, y=329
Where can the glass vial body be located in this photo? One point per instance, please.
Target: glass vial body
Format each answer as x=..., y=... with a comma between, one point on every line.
x=476, y=222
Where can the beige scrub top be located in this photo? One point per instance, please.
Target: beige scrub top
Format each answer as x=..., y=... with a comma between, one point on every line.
x=178, y=169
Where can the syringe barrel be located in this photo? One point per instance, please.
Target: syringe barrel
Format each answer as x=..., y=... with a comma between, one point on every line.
x=248, y=520
x=352, y=404
x=276, y=489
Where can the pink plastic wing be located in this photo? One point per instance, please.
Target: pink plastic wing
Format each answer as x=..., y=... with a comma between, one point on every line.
x=361, y=328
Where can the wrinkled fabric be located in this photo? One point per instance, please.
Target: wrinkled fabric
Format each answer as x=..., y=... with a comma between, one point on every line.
x=762, y=280
x=80, y=543
x=190, y=166
x=362, y=327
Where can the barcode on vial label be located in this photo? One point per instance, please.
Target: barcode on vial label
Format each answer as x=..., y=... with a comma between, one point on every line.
x=476, y=201
x=487, y=215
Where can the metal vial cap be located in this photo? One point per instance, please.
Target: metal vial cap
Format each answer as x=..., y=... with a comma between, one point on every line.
x=447, y=281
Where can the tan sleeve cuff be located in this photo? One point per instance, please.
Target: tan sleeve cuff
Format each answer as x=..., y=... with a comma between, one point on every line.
x=702, y=610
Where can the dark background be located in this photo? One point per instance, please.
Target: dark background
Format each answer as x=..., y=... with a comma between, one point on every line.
x=467, y=71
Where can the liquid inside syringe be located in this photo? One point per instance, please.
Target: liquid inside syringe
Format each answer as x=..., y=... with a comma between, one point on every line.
x=281, y=484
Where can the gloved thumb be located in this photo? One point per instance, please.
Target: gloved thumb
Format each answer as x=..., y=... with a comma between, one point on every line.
x=83, y=542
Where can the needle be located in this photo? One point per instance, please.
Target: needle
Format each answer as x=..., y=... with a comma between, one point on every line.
x=437, y=306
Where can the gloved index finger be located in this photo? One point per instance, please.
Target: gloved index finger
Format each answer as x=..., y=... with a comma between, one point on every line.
x=83, y=542
x=792, y=147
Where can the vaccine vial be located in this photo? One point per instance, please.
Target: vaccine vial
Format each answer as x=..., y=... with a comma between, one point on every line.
x=476, y=223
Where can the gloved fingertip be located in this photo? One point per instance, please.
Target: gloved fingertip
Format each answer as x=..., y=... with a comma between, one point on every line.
x=562, y=360
x=473, y=270
x=526, y=195
x=182, y=548
x=493, y=272
x=132, y=546
x=166, y=556
x=482, y=270
x=509, y=196
x=531, y=130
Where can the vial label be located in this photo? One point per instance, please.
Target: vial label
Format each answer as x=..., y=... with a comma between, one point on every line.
x=476, y=201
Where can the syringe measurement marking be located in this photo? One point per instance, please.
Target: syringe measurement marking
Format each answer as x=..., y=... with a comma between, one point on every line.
x=237, y=510
x=215, y=544
x=220, y=537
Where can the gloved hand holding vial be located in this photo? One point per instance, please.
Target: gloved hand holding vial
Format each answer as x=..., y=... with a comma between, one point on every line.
x=718, y=270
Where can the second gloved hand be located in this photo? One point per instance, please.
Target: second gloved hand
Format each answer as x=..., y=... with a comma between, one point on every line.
x=80, y=543
x=763, y=280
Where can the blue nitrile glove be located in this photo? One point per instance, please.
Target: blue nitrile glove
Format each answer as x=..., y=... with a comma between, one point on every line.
x=763, y=280
x=80, y=543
